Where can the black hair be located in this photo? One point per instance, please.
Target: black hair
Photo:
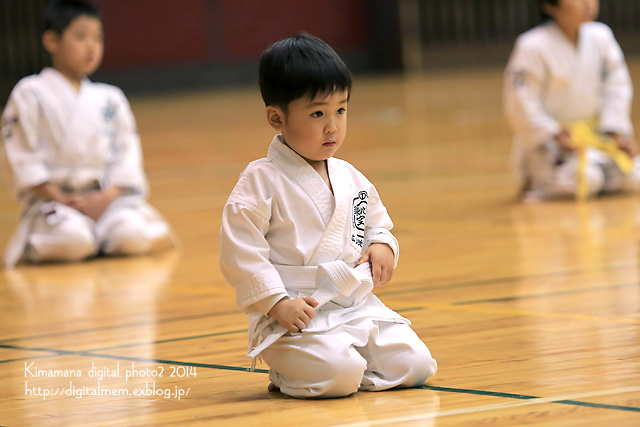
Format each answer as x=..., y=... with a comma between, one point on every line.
x=58, y=14
x=543, y=15
x=298, y=66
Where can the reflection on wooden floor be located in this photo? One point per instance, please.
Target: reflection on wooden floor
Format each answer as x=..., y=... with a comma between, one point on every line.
x=531, y=310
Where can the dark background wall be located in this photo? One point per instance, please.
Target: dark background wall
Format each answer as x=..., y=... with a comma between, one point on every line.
x=465, y=32
x=155, y=46
x=192, y=43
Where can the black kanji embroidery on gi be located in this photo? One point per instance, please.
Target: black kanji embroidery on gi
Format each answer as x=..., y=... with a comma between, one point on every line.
x=359, y=218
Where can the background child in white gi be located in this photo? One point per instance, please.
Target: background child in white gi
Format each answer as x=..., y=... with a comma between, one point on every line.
x=294, y=228
x=75, y=153
x=565, y=70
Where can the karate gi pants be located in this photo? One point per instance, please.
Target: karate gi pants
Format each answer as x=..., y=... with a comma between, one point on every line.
x=64, y=234
x=552, y=174
x=363, y=354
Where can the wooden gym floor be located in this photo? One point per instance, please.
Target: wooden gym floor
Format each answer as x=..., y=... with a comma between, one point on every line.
x=532, y=311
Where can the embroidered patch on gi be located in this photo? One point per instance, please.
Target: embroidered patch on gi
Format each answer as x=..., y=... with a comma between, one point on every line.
x=109, y=111
x=358, y=219
x=519, y=78
x=7, y=126
x=604, y=72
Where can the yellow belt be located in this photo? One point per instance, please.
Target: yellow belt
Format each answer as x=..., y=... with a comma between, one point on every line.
x=584, y=136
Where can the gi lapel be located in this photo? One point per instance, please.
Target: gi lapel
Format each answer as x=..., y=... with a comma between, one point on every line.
x=331, y=244
x=585, y=64
x=85, y=123
x=57, y=102
x=303, y=173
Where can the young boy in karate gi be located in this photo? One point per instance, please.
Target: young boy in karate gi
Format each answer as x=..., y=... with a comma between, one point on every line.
x=75, y=153
x=567, y=70
x=305, y=238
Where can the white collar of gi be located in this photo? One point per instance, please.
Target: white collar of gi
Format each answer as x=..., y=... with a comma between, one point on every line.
x=555, y=28
x=60, y=81
x=305, y=175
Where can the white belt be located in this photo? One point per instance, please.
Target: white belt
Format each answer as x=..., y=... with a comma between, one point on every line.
x=328, y=280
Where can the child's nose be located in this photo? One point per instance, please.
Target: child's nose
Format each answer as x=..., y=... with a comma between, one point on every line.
x=330, y=127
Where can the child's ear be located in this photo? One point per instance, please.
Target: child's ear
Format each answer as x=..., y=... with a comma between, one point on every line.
x=275, y=117
x=50, y=41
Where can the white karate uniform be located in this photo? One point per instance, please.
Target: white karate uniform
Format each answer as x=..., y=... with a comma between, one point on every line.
x=81, y=141
x=285, y=234
x=549, y=82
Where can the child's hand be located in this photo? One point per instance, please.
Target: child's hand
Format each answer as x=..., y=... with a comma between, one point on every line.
x=381, y=258
x=294, y=314
x=94, y=204
x=626, y=144
x=49, y=191
x=564, y=140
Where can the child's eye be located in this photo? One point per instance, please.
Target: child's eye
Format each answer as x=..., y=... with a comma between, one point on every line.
x=342, y=110
x=317, y=114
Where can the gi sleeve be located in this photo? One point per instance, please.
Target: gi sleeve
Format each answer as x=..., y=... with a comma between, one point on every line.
x=615, y=112
x=244, y=250
x=378, y=226
x=523, y=86
x=19, y=130
x=125, y=167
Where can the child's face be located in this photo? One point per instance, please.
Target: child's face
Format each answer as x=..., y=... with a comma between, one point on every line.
x=78, y=52
x=573, y=13
x=315, y=128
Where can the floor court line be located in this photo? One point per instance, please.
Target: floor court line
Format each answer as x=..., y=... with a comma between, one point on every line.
x=513, y=312
x=479, y=392
x=473, y=283
x=566, y=400
x=549, y=294
x=132, y=358
x=24, y=359
x=193, y=337
x=382, y=293
x=238, y=331
x=216, y=334
x=525, y=397
x=175, y=319
x=403, y=310
x=126, y=325
x=175, y=362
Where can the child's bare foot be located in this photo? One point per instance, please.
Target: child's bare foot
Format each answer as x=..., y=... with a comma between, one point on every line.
x=272, y=387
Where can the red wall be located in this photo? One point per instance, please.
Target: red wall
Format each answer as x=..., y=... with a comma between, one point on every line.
x=250, y=26
x=152, y=32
